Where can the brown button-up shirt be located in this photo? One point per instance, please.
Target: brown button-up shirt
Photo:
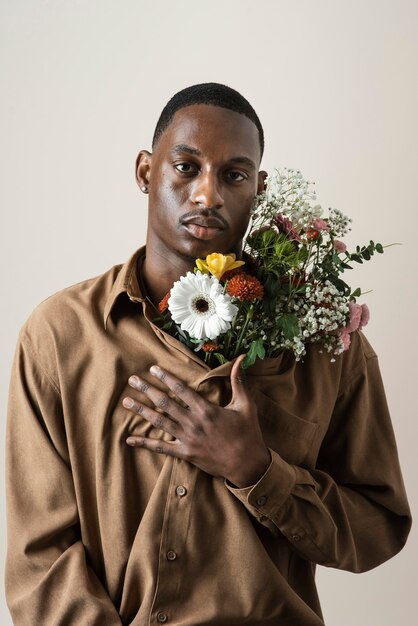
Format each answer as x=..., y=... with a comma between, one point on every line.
x=104, y=534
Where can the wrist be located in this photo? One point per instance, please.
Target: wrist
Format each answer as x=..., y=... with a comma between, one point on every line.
x=252, y=472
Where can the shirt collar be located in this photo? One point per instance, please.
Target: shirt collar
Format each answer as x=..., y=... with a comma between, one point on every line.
x=126, y=282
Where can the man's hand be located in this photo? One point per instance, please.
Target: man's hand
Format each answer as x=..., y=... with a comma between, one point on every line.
x=222, y=441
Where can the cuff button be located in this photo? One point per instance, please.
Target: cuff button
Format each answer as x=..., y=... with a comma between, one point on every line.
x=162, y=617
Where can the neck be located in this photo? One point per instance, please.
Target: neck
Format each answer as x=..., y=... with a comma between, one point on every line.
x=160, y=269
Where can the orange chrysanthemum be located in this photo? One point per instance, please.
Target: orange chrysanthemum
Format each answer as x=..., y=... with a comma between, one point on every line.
x=163, y=306
x=210, y=346
x=245, y=287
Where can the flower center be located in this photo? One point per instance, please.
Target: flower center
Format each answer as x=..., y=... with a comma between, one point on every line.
x=202, y=305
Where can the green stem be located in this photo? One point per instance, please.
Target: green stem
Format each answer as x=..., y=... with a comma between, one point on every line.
x=243, y=330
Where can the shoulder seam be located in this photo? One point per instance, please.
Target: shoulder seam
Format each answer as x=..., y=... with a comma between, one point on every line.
x=356, y=372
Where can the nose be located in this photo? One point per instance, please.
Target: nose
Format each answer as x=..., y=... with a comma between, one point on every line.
x=206, y=191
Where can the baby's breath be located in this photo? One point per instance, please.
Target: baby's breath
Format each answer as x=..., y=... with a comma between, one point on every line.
x=294, y=251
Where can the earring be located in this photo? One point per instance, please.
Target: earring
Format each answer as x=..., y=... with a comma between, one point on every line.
x=144, y=189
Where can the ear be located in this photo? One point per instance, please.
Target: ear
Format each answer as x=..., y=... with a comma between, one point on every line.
x=143, y=170
x=262, y=175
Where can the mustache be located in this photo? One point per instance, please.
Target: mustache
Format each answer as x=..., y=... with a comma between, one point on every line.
x=205, y=213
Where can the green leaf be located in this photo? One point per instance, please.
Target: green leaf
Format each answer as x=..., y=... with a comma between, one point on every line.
x=220, y=357
x=272, y=286
x=256, y=350
x=379, y=248
x=356, y=293
x=289, y=325
x=366, y=255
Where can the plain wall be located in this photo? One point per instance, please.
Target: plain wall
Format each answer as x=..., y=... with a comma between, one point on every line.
x=334, y=83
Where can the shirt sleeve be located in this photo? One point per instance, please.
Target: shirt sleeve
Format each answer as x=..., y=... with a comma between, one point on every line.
x=48, y=579
x=351, y=510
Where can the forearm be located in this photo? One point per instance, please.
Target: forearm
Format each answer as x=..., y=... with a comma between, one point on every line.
x=48, y=580
x=347, y=527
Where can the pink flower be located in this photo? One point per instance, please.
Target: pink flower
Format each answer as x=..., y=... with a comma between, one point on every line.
x=345, y=338
x=355, y=317
x=365, y=316
x=359, y=316
x=320, y=224
x=339, y=246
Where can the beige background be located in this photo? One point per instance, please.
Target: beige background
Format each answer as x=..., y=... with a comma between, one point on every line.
x=334, y=83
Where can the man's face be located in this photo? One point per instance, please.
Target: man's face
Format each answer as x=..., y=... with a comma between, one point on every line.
x=202, y=178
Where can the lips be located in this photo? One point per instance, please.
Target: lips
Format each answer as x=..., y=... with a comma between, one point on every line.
x=204, y=222
x=203, y=228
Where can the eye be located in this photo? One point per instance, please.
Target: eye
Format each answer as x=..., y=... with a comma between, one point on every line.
x=236, y=176
x=185, y=168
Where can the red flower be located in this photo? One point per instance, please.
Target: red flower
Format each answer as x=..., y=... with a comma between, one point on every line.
x=210, y=346
x=312, y=233
x=163, y=305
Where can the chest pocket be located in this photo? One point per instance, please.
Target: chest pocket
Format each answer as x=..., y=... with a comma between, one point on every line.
x=288, y=434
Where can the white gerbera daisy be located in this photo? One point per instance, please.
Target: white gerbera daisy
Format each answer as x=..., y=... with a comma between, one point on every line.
x=198, y=303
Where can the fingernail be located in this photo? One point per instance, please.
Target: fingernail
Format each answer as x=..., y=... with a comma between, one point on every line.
x=128, y=402
x=155, y=370
x=131, y=441
x=133, y=380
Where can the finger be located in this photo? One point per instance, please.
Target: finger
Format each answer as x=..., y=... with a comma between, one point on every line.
x=170, y=448
x=154, y=417
x=238, y=381
x=190, y=397
x=160, y=400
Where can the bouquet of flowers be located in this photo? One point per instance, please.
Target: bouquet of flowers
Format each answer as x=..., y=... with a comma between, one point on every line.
x=287, y=290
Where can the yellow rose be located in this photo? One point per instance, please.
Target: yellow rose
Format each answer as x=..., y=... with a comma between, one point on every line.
x=217, y=264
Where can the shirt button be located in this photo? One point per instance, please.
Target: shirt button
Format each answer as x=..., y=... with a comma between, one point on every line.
x=171, y=555
x=262, y=500
x=181, y=491
x=295, y=538
x=162, y=617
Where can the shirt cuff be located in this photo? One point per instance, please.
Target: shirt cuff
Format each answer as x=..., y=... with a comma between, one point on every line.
x=265, y=498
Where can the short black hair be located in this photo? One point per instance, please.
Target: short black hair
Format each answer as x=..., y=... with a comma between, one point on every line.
x=207, y=93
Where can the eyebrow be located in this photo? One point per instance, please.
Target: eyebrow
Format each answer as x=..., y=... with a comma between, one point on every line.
x=181, y=147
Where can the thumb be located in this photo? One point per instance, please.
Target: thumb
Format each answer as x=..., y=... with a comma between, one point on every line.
x=238, y=381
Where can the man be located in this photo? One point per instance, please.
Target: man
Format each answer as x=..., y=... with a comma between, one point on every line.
x=145, y=488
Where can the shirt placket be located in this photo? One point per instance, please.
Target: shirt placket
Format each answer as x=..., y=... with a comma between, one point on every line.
x=173, y=543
